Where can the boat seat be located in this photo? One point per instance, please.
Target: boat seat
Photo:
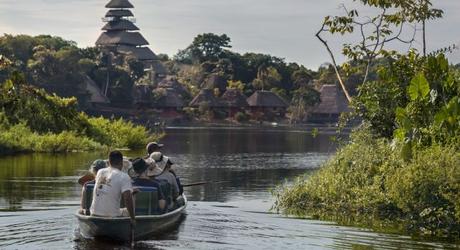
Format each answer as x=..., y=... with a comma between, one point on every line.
x=146, y=201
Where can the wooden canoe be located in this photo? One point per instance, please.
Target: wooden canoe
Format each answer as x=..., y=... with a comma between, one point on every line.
x=119, y=228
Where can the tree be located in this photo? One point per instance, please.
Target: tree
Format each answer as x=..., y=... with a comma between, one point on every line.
x=394, y=19
x=301, y=77
x=303, y=100
x=207, y=46
x=267, y=78
x=235, y=85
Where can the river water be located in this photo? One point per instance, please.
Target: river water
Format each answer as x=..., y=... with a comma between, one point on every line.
x=39, y=195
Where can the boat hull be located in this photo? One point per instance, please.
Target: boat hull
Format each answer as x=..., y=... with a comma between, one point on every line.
x=119, y=228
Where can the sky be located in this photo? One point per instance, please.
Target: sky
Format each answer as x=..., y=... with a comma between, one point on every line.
x=283, y=28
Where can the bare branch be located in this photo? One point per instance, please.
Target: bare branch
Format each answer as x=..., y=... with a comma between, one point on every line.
x=334, y=62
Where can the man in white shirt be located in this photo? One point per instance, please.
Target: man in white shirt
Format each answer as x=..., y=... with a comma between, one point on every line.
x=111, y=185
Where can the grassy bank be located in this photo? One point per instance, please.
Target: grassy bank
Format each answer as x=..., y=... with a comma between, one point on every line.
x=32, y=120
x=368, y=180
x=20, y=138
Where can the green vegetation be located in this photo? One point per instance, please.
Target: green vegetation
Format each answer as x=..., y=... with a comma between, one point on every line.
x=32, y=120
x=370, y=184
x=60, y=67
x=209, y=54
x=402, y=164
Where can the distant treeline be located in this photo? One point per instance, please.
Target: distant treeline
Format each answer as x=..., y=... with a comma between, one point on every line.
x=58, y=65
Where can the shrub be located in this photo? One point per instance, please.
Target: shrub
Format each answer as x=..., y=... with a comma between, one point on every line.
x=118, y=133
x=20, y=138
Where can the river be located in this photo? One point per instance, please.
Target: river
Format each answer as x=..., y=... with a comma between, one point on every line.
x=39, y=195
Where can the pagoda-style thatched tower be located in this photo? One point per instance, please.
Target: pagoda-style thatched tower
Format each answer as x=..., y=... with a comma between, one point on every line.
x=120, y=34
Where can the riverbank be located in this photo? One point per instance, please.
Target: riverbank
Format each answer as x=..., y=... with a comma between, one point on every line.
x=31, y=120
x=112, y=134
x=368, y=182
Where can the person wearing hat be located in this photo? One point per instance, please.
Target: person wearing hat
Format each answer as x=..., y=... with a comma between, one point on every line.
x=163, y=167
x=153, y=147
x=141, y=179
x=93, y=169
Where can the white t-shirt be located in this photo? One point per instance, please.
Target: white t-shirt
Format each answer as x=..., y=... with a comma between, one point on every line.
x=110, y=184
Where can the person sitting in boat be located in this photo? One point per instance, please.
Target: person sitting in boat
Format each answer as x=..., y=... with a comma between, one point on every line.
x=162, y=171
x=111, y=185
x=151, y=148
x=142, y=180
x=127, y=164
x=90, y=179
x=154, y=147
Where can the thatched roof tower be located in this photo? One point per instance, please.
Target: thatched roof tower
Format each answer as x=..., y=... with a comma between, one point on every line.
x=266, y=99
x=119, y=4
x=233, y=98
x=120, y=33
x=208, y=97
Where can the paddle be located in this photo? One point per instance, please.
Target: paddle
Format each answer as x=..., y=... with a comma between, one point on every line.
x=132, y=226
x=202, y=183
x=132, y=236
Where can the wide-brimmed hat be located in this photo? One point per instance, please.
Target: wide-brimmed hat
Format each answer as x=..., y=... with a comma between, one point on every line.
x=158, y=164
x=160, y=160
x=153, y=145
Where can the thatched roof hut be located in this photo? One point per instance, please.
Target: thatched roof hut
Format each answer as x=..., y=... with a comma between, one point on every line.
x=120, y=4
x=215, y=81
x=96, y=96
x=233, y=98
x=266, y=99
x=206, y=96
x=333, y=101
x=169, y=98
x=171, y=82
